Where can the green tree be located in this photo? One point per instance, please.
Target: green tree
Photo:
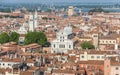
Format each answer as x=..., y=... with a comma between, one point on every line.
x=98, y=10
x=14, y=37
x=35, y=37
x=87, y=45
x=41, y=38
x=30, y=37
x=4, y=38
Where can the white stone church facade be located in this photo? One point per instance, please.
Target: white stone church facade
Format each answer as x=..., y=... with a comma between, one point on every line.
x=62, y=43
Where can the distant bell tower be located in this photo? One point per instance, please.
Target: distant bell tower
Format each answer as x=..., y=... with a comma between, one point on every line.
x=95, y=37
x=31, y=22
x=35, y=19
x=70, y=10
x=80, y=11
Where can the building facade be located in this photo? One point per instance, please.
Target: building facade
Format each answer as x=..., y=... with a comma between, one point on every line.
x=62, y=43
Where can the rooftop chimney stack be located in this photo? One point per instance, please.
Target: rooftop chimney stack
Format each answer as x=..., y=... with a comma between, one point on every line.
x=116, y=46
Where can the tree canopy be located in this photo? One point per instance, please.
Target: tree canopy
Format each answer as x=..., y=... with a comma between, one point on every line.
x=97, y=10
x=35, y=37
x=4, y=38
x=41, y=38
x=30, y=37
x=14, y=37
x=87, y=45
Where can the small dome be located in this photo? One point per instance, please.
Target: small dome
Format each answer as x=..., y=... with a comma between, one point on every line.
x=68, y=30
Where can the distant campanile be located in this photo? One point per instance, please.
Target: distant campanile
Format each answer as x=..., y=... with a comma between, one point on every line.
x=33, y=21
x=36, y=19
x=70, y=10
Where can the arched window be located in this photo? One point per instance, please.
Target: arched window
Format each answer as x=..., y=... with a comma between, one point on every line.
x=69, y=46
x=54, y=45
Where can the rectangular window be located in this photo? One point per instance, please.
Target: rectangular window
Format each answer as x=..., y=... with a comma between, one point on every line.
x=54, y=45
x=102, y=57
x=61, y=46
x=106, y=41
x=110, y=41
x=82, y=56
x=60, y=37
x=98, y=57
x=117, y=68
x=103, y=41
x=95, y=35
x=92, y=56
x=69, y=46
x=113, y=41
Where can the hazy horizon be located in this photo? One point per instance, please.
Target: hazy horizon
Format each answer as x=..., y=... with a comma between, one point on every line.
x=39, y=1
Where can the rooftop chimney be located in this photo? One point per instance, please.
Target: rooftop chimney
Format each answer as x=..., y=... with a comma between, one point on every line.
x=116, y=46
x=117, y=59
